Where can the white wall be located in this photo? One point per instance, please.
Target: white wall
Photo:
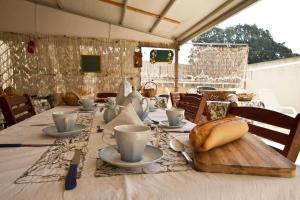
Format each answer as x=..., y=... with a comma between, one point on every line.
x=19, y=16
x=280, y=76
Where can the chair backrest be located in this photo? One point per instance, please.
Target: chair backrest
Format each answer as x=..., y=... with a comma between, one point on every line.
x=194, y=107
x=217, y=95
x=16, y=108
x=201, y=89
x=175, y=97
x=269, y=118
x=102, y=96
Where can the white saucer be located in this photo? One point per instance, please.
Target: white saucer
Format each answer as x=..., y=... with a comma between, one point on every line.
x=153, y=109
x=52, y=131
x=87, y=109
x=165, y=124
x=112, y=156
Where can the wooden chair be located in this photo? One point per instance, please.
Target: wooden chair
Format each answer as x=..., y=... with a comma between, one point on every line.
x=16, y=108
x=290, y=141
x=194, y=107
x=217, y=95
x=175, y=97
x=102, y=96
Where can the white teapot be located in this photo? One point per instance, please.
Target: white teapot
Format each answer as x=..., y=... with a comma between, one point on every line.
x=124, y=89
x=139, y=103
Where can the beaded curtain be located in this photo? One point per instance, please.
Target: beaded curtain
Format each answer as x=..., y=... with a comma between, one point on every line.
x=55, y=66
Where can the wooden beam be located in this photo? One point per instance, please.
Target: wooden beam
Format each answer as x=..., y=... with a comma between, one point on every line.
x=162, y=15
x=94, y=18
x=139, y=11
x=158, y=45
x=181, y=39
x=176, y=68
x=123, y=12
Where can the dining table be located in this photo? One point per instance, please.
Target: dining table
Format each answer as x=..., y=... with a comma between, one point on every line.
x=39, y=172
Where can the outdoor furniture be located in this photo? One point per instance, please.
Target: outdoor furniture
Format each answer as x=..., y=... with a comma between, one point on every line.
x=194, y=107
x=291, y=141
x=175, y=96
x=271, y=102
x=217, y=95
x=16, y=108
x=39, y=172
x=102, y=96
x=201, y=89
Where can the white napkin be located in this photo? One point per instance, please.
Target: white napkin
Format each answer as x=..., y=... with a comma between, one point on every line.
x=126, y=116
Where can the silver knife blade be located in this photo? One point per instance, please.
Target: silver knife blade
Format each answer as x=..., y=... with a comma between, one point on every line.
x=176, y=131
x=76, y=157
x=7, y=145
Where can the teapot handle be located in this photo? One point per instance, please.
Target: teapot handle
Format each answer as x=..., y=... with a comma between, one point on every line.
x=147, y=107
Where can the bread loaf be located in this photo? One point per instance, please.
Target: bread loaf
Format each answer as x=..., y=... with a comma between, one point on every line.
x=216, y=133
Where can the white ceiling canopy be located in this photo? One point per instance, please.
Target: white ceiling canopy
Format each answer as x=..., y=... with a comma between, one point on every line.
x=179, y=20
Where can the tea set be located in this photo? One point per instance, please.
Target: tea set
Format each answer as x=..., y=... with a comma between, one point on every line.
x=86, y=104
x=65, y=125
x=131, y=149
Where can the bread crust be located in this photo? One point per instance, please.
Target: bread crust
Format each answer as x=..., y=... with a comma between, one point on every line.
x=218, y=132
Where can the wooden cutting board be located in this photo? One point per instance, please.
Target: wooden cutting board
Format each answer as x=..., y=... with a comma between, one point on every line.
x=248, y=155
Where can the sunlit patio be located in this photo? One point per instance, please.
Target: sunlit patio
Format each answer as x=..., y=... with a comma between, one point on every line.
x=96, y=103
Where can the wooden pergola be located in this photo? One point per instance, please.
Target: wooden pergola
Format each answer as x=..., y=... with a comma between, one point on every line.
x=159, y=23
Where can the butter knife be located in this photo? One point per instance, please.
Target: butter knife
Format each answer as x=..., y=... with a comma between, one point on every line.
x=70, y=182
x=176, y=131
x=25, y=145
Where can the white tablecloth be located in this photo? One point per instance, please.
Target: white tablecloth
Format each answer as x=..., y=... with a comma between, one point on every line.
x=180, y=185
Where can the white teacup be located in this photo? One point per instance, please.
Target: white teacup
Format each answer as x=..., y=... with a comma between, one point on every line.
x=64, y=121
x=86, y=103
x=152, y=104
x=131, y=141
x=175, y=116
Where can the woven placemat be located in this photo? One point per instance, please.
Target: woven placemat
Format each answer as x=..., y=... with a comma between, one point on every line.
x=54, y=163
x=171, y=161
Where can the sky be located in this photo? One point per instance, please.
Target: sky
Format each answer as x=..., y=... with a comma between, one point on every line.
x=280, y=17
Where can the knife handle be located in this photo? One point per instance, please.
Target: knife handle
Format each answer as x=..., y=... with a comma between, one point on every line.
x=71, y=182
x=10, y=145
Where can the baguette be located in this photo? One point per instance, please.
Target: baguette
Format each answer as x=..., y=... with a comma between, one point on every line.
x=216, y=133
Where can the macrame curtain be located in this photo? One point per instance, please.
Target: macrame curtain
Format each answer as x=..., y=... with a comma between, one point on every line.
x=217, y=64
x=221, y=67
x=55, y=65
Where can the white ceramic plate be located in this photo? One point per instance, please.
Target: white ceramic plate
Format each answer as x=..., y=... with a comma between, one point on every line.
x=52, y=131
x=113, y=157
x=165, y=124
x=153, y=109
x=87, y=109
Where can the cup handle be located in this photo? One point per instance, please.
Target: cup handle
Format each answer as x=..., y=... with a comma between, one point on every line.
x=181, y=117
